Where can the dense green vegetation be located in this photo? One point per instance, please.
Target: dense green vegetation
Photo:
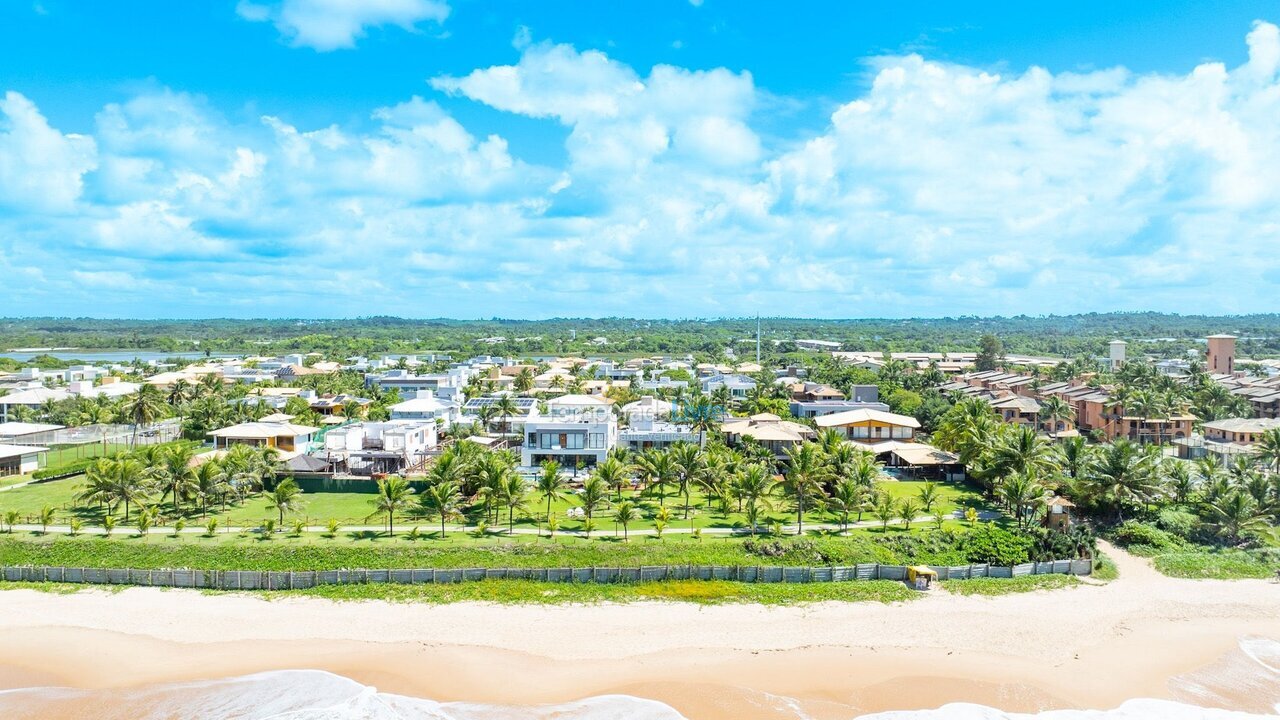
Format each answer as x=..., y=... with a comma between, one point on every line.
x=1065, y=336
x=311, y=552
x=1197, y=519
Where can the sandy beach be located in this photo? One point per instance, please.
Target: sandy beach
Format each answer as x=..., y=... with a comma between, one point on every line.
x=1095, y=646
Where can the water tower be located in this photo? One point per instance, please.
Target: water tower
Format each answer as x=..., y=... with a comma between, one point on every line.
x=1116, y=354
x=1221, y=358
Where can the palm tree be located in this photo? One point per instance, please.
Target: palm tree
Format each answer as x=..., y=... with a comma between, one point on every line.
x=1072, y=456
x=928, y=496
x=849, y=497
x=1018, y=451
x=487, y=413
x=176, y=473
x=690, y=463
x=703, y=415
x=613, y=473
x=46, y=519
x=754, y=486
x=442, y=498
x=284, y=497
x=884, y=510
x=550, y=485
x=511, y=492
x=623, y=513
x=506, y=407
x=804, y=477
x=209, y=483
x=907, y=511
x=393, y=495
x=1054, y=409
x=1237, y=514
x=144, y=407
x=659, y=466
x=1121, y=474
x=129, y=482
x=593, y=495
x=1268, y=450
x=1020, y=493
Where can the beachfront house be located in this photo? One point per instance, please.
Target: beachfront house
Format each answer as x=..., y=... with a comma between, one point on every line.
x=370, y=448
x=575, y=429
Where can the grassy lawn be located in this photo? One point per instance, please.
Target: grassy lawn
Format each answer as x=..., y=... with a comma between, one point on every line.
x=354, y=509
x=63, y=454
x=1009, y=586
x=8, y=480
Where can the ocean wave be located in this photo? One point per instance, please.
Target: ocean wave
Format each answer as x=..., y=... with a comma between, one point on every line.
x=300, y=695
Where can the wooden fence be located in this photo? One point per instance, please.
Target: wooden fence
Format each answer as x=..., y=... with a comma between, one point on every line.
x=291, y=580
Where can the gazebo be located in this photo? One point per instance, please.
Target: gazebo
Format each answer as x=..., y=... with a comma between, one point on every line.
x=1058, y=516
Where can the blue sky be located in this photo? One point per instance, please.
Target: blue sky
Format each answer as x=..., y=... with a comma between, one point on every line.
x=533, y=159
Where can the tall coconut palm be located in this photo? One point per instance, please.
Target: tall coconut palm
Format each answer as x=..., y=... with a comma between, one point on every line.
x=506, y=407
x=144, y=408
x=284, y=497
x=848, y=497
x=803, y=481
x=1020, y=493
x=550, y=485
x=1122, y=474
x=394, y=494
x=512, y=494
x=690, y=463
x=593, y=495
x=754, y=486
x=703, y=415
x=130, y=482
x=175, y=472
x=1054, y=410
x=613, y=474
x=209, y=483
x=1020, y=450
x=443, y=499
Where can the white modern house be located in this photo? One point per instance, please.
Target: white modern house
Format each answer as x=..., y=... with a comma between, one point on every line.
x=365, y=448
x=739, y=385
x=574, y=429
x=424, y=405
x=446, y=385
x=649, y=426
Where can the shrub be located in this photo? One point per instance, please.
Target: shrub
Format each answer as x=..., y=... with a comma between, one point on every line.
x=1179, y=522
x=1134, y=534
x=991, y=544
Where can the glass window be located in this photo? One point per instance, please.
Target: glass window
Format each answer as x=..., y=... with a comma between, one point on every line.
x=861, y=432
x=597, y=440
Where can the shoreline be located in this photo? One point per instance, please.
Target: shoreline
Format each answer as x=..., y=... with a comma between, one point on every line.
x=1091, y=646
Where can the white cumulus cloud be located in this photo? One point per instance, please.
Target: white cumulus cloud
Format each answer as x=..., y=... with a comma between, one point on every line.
x=336, y=24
